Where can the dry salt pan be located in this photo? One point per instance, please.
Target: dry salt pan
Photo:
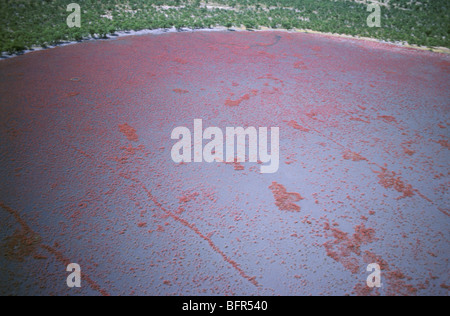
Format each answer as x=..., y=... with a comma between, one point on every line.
x=214, y=150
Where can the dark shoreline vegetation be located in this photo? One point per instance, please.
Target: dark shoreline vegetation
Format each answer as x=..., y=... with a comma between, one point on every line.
x=25, y=24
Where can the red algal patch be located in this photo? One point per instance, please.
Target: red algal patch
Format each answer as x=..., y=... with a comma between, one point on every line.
x=443, y=143
x=290, y=160
x=300, y=65
x=357, y=119
x=131, y=151
x=181, y=61
x=362, y=107
x=349, y=155
x=180, y=91
x=363, y=236
x=230, y=102
x=408, y=151
x=40, y=257
x=285, y=200
x=389, y=179
x=188, y=197
x=73, y=94
x=142, y=225
x=128, y=153
x=361, y=289
x=398, y=285
x=295, y=125
x=370, y=257
x=394, y=283
x=22, y=244
x=129, y=132
x=344, y=248
x=389, y=119
x=237, y=165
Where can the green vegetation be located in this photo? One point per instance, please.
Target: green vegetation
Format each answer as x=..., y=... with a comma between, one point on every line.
x=28, y=23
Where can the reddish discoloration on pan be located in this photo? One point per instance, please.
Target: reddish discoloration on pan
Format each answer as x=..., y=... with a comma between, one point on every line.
x=85, y=160
x=285, y=201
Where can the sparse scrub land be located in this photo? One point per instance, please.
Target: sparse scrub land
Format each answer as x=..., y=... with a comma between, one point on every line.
x=25, y=24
